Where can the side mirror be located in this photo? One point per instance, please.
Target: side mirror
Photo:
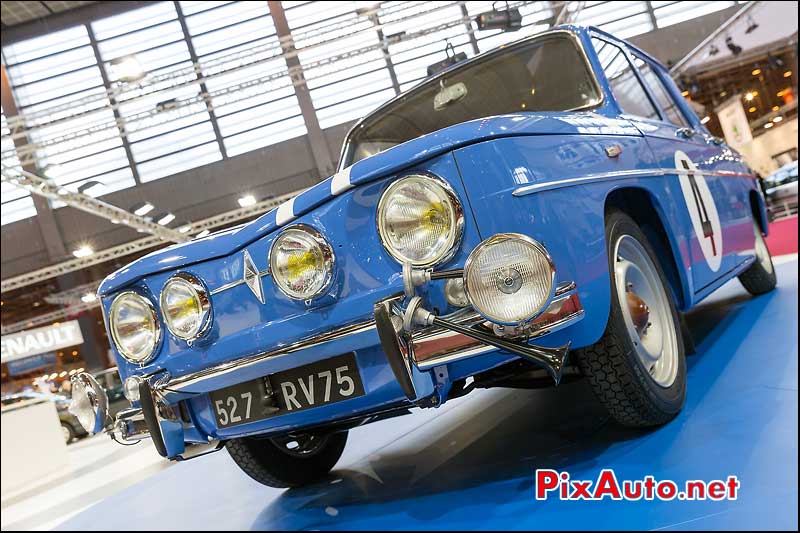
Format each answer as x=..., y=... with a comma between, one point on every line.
x=89, y=402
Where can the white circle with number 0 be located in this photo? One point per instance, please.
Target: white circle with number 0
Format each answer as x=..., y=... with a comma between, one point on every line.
x=702, y=210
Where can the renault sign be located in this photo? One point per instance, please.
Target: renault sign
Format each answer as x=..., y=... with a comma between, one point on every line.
x=40, y=340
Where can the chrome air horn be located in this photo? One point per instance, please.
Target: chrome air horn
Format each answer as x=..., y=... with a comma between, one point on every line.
x=509, y=281
x=552, y=359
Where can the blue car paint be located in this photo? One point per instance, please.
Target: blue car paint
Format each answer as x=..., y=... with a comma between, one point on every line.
x=485, y=161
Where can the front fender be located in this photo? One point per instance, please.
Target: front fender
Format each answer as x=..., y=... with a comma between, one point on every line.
x=567, y=219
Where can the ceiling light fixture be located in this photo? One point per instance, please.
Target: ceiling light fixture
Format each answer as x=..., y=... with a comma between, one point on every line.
x=85, y=187
x=752, y=25
x=733, y=47
x=164, y=218
x=83, y=251
x=204, y=233
x=142, y=208
x=507, y=19
x=88, y=298
x=705, y=120
x=247, y=200
x=127, y=69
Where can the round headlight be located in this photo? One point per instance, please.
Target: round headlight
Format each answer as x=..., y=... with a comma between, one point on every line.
x=509, y=278
x=134, y=327
x=301, y=262
x=420, y=220
x=185, y=306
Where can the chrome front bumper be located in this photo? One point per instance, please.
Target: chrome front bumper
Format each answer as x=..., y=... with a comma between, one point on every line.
x=425, y=349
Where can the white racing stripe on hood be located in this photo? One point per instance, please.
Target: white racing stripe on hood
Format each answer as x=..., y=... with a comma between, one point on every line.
x=341, y=181
x=285, y=213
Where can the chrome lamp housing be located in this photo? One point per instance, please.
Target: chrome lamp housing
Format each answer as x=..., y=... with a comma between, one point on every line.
x=509, y=279
x=89, y=402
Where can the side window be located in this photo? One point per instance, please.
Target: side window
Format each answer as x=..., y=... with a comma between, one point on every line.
x=628, y=91
x=663, y=97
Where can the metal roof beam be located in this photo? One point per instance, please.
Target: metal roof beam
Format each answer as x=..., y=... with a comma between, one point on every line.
x=123, y=250
x=49, y=189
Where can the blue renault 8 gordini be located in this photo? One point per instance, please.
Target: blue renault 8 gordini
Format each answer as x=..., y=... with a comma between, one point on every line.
x=541, y=212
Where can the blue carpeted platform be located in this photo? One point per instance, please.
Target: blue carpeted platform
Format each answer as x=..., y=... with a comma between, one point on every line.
x=470, y=464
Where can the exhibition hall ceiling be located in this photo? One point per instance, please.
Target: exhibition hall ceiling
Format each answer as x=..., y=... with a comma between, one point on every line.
x=17, y=12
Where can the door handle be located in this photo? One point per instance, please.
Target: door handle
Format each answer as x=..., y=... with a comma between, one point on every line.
x=716, y=141
x=685, y=133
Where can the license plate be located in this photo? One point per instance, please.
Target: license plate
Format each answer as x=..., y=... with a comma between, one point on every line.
x=320, y=383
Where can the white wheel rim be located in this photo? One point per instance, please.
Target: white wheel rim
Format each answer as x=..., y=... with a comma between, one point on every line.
x=762, y=252
x=656, y=342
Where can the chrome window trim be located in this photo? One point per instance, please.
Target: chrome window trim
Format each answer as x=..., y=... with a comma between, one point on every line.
x=623, y=174
x=458, y=222
x=327, y=252
x=205, y=305
x=156, y=321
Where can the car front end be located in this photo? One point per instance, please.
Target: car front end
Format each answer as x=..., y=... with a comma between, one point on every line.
x=370, y=293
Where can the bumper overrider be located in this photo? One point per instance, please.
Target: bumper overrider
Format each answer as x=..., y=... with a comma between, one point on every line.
x=411, y=336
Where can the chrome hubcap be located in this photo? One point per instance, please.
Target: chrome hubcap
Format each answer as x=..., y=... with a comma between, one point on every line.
x=762, y=252
x=646, y=311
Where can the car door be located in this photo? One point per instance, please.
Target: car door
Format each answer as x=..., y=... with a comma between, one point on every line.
x=715, y=203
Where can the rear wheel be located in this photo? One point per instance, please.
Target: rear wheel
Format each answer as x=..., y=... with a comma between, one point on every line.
x=288, y=461
x=760, y=277
x=637, y=369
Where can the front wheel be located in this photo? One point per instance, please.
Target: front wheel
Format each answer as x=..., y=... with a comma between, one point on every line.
x=67, y=432
x=760, y=277
x=637, y=369
x=289, y=461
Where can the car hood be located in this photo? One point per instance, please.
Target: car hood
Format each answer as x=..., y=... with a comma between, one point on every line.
x=372, y=168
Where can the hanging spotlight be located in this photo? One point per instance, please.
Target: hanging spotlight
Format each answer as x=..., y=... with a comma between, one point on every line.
x=752, y=25
x=507, y=20
x=733, y=47
x=452, y=59
x=86, y=186
x=775, y=62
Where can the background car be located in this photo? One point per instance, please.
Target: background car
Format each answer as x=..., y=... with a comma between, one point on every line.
x=109, y=379
x=780, y=188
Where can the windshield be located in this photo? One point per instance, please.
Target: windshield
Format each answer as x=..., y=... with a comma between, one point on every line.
x=546, y=74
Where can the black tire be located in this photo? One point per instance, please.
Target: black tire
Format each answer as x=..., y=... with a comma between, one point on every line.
x=760, y=278
x=619, y=380
x=268, y=463
x=69, y=432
